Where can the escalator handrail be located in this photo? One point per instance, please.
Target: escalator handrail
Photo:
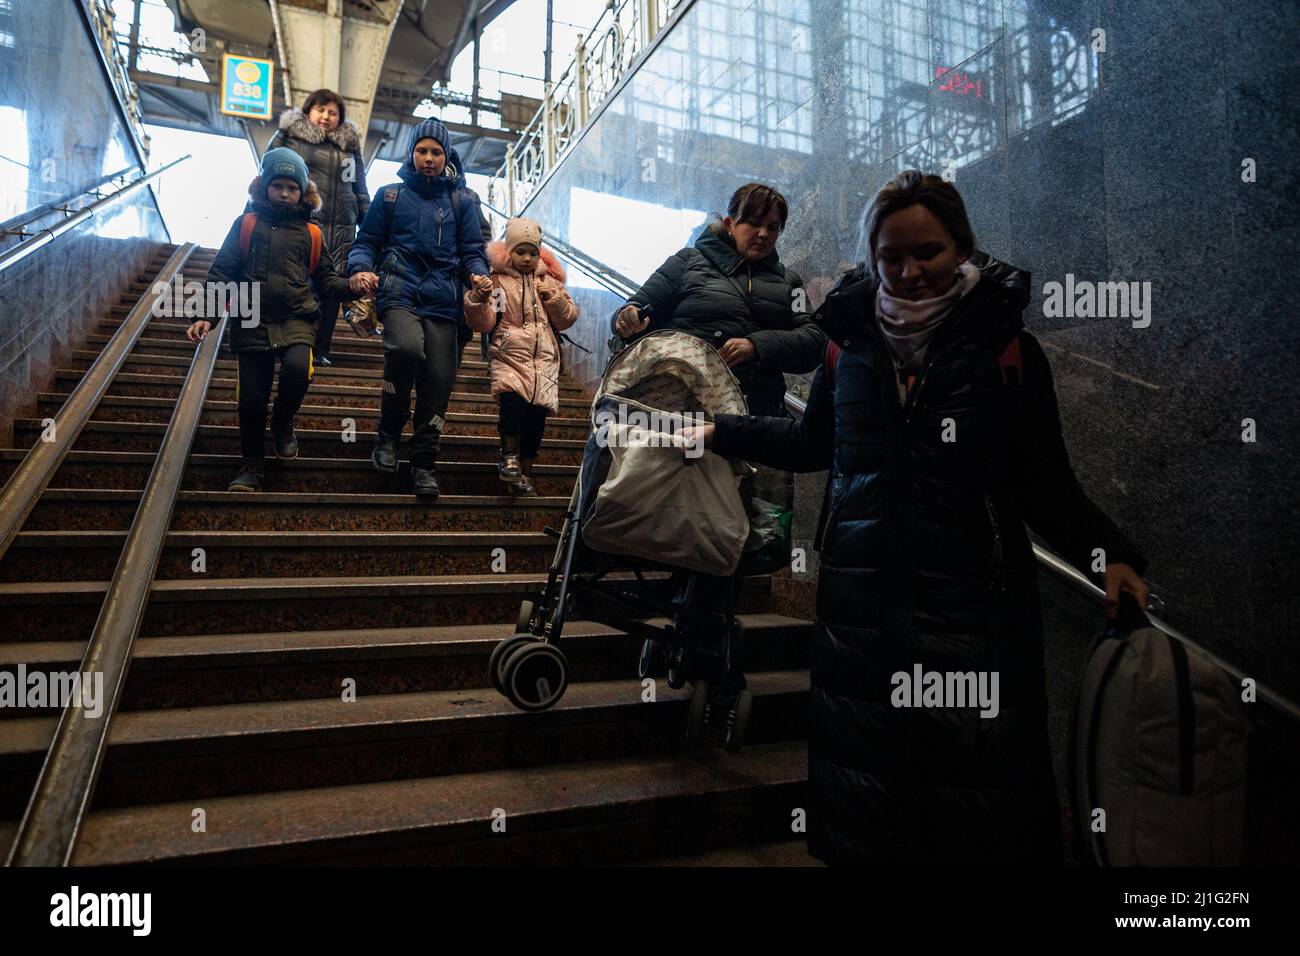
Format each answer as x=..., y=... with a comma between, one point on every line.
x=45, y=208
x=607, y=276
x=34, y=472
x=15, y=254
x=62, y=796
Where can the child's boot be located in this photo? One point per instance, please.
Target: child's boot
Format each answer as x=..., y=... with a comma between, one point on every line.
x=248, y=478
x=508, y=466
x=384, y=457
x=424, y=481
x=286, y=443
x=524, y=485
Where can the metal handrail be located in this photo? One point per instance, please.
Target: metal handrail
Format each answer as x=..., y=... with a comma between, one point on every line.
x=15, y=254
x=10, y=226
x=611, y=279
x=48, y=833
x=24, y=487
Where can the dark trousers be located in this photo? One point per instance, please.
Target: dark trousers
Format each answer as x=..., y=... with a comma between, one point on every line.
x=423, y=353
x=253, y=389
x=520, y=417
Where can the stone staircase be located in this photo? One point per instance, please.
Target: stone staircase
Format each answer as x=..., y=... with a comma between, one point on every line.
x=335, y=576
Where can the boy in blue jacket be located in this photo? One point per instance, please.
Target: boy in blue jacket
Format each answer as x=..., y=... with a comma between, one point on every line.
x=421, y=236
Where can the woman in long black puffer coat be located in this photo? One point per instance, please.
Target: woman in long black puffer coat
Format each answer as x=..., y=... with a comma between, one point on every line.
x=942, y=444
x=330, y=145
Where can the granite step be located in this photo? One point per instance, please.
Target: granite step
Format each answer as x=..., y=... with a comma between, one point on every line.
x=145, y=361
x=64, y=508
x=93, y=555
x=130, y=469
x=208, y=669
x=167, y=327
x=221, y=387
x=179, y=345
x=133, y=408
x=66, y=610
x=201, y=753
x=598, y=812
x=313, y=443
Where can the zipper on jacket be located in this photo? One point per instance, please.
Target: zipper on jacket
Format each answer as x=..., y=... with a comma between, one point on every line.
x=998, y=582
x=949, y=327
x=527, y=282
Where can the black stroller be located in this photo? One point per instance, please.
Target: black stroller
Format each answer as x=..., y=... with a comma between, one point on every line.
x=623, y=557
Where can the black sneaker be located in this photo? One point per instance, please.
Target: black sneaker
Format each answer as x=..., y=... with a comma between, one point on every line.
x=286, y=444
x=384, y=457
x=426, y=485
x=323, y=361
x=248, y=478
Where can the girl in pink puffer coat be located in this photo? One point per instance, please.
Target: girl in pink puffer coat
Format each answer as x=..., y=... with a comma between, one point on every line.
x=523, y=307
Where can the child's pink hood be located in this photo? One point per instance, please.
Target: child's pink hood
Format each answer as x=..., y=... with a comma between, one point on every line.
x=499, y=259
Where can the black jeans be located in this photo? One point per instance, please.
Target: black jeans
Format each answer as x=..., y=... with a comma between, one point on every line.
x=423, y=353
x=520, y=417
x=253, y=391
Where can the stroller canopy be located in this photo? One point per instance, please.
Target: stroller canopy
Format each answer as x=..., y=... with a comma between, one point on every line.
x=673, y=372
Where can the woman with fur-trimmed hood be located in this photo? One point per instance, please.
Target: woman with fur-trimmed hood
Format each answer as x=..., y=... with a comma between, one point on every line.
x=524, y=307
x=330, y=145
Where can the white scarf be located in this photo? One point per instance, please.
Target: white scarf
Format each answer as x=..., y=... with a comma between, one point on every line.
x=908, y=325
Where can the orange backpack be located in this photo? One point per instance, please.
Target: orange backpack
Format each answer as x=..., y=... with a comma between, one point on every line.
x=246, y=237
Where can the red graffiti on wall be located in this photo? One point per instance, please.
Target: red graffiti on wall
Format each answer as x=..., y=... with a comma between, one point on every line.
x=958, y=82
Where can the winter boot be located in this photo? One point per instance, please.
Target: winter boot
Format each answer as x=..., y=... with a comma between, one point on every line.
x=523, y=487
x=384, y=457
x=508, y=465
x=426, y=484
x=248, y=478
x=286, y=444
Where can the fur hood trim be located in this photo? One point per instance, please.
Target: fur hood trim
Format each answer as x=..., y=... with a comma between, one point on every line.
x=499, y=259
x=345, y=136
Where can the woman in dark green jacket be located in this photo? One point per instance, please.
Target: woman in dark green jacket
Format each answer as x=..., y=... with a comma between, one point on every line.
x=330, y=145
x=731, y=290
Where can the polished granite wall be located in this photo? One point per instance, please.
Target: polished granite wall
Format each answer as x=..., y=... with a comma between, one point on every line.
x=60, y=132
x=1108, y=156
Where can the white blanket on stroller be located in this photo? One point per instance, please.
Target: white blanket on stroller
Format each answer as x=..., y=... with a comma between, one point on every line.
x=659, y=505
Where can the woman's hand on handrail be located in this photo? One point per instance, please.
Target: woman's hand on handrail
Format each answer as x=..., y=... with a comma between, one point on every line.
x=199, y=329
x=630, y=322
x=1122, y=578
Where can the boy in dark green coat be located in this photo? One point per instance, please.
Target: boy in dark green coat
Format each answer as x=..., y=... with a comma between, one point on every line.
x=277, y=251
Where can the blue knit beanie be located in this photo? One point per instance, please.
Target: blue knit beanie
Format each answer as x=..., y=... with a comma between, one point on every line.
x=284, y=162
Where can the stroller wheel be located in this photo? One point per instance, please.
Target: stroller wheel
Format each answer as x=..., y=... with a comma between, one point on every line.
x=697, y=711
x=535, y=675
x=677, y=661
x=652, y=658
x=738, y=720
x=497, y=659
x=525, y=616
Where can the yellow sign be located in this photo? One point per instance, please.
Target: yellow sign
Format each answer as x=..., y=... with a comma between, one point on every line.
x=246, y=86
